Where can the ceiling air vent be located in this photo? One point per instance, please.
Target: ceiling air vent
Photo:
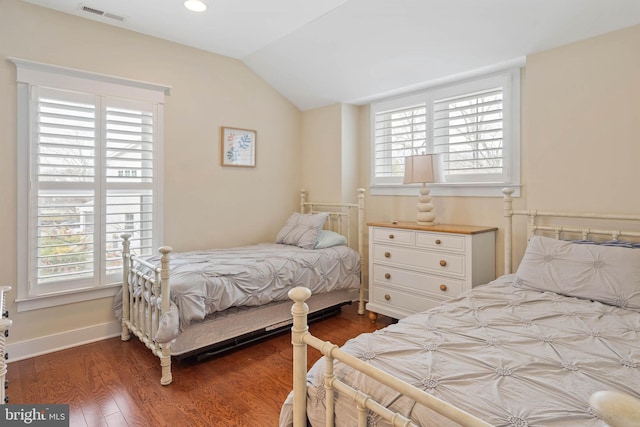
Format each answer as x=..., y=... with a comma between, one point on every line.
x=92, y=10
x=102, y=13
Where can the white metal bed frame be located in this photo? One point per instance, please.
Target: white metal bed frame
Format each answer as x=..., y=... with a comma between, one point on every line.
x=615, y=409
x=141, y=318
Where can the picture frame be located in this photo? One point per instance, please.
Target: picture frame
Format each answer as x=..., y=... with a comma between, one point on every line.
x=238, y=147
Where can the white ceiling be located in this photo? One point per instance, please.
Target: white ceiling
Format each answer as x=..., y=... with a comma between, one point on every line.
x=319, y=52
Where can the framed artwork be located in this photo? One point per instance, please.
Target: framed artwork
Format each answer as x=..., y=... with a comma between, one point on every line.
x=238, y=147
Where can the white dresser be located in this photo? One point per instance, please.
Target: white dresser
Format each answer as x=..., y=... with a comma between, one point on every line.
x=413, y=268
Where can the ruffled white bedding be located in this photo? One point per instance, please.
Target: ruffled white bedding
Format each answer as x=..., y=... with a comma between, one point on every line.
x=510, y=356
x=204, y=282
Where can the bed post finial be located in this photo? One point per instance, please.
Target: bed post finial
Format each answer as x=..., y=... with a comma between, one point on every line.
x=508, y=230
x=126, y=250
x=299, y=311
x=303, y=199
x=165, y=359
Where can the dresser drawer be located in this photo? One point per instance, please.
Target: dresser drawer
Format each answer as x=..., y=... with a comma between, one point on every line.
x=401, y=237
x=439, y=241
x=438, y=286
x=441, y=263
x=397, y=299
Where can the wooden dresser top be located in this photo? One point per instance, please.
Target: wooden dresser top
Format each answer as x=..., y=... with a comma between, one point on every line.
x=440, y=228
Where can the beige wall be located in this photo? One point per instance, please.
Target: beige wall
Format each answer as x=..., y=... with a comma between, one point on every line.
x=583, y=125
x=321, y=152
x=330, y=152
x=205, y=205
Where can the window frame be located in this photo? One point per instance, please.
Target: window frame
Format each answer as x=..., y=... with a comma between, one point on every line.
x=33, y=74
x=509, y=80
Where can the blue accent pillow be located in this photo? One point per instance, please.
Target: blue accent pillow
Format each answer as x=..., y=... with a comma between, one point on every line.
x=327, y=239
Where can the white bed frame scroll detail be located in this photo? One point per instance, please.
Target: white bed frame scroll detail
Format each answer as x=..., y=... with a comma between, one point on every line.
x=141, y=314
x=614, y=408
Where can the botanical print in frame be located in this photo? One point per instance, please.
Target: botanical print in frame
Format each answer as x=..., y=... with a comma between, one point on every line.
x=238, y=147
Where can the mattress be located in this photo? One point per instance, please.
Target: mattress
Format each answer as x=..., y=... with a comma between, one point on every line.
x=510, y=356
x=206, y=282
x=237, y=321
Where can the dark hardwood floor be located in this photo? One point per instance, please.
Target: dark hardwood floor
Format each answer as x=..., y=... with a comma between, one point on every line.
x=115, y=383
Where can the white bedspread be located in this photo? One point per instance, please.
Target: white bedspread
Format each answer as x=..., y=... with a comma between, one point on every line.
x=204, y=282
x=512, y=357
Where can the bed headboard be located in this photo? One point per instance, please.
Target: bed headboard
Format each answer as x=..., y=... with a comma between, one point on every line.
x=343, y=217
x=567, y=225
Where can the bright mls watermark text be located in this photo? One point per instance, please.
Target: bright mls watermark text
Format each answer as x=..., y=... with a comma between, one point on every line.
x=34, y=415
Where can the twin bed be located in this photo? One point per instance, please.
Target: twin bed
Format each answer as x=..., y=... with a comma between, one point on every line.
x=224, y=298
x=545, y=346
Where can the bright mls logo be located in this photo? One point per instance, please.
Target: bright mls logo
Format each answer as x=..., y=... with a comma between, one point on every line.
x=34, y=415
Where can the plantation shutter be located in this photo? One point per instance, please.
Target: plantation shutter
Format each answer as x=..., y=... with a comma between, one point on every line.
x=65, y=193
x=94, y=180
x=468, y=135
x=129, y=179
x=399, y=132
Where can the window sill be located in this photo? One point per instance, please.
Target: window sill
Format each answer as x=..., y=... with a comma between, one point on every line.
x=53, y=300
x=446, y=189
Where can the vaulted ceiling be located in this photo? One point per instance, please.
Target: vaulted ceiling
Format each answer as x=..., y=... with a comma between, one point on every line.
x=326, y=51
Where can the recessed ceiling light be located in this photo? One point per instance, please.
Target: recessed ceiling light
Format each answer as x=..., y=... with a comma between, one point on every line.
x=195, y=5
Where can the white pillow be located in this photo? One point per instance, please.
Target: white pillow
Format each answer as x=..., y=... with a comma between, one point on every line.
x=302, y=230
x=607, y=274
x=328, y=238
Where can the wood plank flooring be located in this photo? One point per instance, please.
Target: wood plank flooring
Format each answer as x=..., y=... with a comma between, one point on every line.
x=114, y=383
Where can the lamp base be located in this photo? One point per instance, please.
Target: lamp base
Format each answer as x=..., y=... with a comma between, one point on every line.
x=425, y=215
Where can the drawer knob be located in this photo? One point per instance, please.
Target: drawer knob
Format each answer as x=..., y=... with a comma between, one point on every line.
x=391, y=236
x=387, y=254
x=443, y=263
x=438, y=241
x=387, y=276
x=443, y=287
x=387, y=297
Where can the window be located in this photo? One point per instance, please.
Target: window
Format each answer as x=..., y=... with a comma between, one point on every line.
x=90, y=161
x=473, y=127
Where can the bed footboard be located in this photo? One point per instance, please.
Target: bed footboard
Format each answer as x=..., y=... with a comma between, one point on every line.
x=364, y=403
x=145, y=297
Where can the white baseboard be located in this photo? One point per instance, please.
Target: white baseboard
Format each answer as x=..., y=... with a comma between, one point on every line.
x=56, y=342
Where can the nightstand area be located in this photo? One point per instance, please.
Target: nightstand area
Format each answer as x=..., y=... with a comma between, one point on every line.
x=413, y=268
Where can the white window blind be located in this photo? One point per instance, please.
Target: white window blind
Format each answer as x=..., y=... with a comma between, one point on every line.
x=64, y=194
x=468, y=136
x=472, y=127
x=399, y=132
x=93, y=181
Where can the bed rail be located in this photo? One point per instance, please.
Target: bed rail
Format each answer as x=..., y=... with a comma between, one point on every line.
x=141, y=313
x=301, y=338
x=340, y=220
